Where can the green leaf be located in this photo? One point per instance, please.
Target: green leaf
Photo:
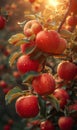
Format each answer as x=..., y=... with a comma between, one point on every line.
x=23, y=41
x=30, y=50
x=15, y=38
x=13, y=57
x=65, y=33
x=30, y=16
x=42, y=104
x=21, y=24
x=54, y=102
x=29, y=76
x=73, y=112
x=12, y=94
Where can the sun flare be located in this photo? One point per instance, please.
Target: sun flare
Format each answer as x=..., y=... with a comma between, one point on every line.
x=53, y=3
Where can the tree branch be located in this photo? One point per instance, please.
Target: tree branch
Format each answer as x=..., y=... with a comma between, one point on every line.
x=62, y=22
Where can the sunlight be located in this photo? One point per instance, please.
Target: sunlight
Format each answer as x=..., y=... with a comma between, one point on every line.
x=53, y=3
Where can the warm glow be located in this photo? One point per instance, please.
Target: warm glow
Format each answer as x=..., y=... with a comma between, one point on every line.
x=53, y=3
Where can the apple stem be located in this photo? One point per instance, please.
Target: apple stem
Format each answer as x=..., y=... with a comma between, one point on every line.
x=67, y=12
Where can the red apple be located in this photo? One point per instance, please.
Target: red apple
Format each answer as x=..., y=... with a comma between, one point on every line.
x=62, y=46
x=7, y=127
x=36, y=7
x=27, y=106
x=25, y=64
x=73, y=7
x=6, y=90
x=32, y=27
x=48, y=41
x=71, y=20
x=44, y=84
x=2, y=22
x=16, y=74
x=65, y=123
x=10, y=121
x=3, y=84
x=47, y=125
x=62, y=96
x=24, y=46
x=66, y=70
x=32, y=1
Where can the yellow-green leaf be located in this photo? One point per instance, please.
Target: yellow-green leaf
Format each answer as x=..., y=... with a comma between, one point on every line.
x=13, y=57
x=15, y=38
x=29, y=75
x=12, y=94
x=65, y=33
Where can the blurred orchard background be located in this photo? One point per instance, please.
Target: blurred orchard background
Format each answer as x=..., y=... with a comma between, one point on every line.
x=16, y=13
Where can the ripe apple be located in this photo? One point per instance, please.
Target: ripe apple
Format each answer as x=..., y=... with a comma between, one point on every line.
x=2, y=22
x=25, y=64
x=66, y=70
x=73, y=7
x=10, y=122
x=47, y=125
x=7, y=127
x=16, y=74
x=69, y=28
x=71, y=20
x=44, y=84
x=65, y=123
x=32, y=27
x=24, y=46
x=6, y=52
x=36, y=7
x=6, y=90
x=32, y=1
x=62, y=46
x=2, y=67
x=27, y=106
x=48, y=41
x=62, y=96
x=3, y=84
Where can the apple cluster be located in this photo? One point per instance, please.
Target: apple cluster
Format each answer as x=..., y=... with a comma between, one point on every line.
x=51, y=43
x=42, y=43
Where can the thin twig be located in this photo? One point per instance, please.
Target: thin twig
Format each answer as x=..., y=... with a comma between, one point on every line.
x=62, y=22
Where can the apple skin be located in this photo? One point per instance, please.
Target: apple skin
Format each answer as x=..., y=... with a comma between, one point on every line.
x=25, y=64
x=7, y=127
x=48, y=41
x=73, y=7
x=62, y=96
x=27, y=106
x=36, y=7
x=47, y=125
x=24, y=46
x=32, y=27
x=32, y=1
x=16, y=74
x=44, y=84
x=3, y=84
x=6, y=90
x=65, y=123
x=66, y=70
x=71, y=20
x=62, y=46
x=2, y=22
